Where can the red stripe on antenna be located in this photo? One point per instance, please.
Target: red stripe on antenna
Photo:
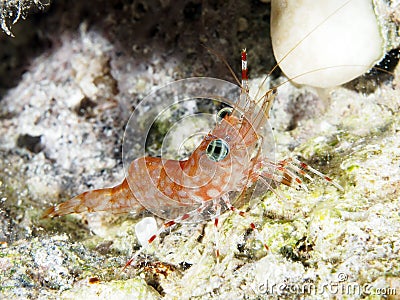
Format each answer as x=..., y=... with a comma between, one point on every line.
x=244, y=54
x=244, y=75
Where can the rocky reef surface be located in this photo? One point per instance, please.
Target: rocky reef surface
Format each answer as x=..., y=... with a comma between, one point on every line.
x=70, y=78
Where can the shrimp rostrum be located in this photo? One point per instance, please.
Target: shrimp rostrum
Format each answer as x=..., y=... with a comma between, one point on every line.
x=228, y=161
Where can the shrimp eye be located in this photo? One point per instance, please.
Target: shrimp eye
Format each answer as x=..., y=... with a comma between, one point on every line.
x=223, y=112
x=217, y=150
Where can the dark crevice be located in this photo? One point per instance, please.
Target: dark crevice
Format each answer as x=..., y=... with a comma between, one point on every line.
x=32, y=143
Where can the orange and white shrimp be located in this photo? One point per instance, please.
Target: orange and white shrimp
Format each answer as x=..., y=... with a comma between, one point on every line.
x=228, y=160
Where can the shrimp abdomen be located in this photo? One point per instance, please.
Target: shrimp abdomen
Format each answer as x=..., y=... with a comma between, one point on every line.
x=117, y=200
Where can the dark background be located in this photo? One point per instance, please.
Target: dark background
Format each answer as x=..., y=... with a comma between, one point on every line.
x=171, y=30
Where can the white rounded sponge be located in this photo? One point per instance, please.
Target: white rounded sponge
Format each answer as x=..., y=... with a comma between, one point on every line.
x=327, y=42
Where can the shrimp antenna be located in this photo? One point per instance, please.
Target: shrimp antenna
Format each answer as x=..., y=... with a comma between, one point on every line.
x=257, y=117
x=244, y=98
x=221, y=58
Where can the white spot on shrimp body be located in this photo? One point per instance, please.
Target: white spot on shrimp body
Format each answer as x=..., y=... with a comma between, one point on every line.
x=182, y=194
x=154, y=174
x=213, y=193
x=162, y=183
x=168, y=191
x=197, y=199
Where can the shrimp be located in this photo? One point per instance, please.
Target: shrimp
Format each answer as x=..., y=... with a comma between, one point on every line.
x=223, y=162
x=229, y=160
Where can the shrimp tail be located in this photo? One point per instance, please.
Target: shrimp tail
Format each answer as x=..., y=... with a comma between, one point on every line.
x=117, y=200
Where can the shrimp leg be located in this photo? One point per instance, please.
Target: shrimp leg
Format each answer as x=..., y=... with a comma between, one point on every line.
x=117, y=200
x=166, y=225
x=243, y=214
x=288, y=172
